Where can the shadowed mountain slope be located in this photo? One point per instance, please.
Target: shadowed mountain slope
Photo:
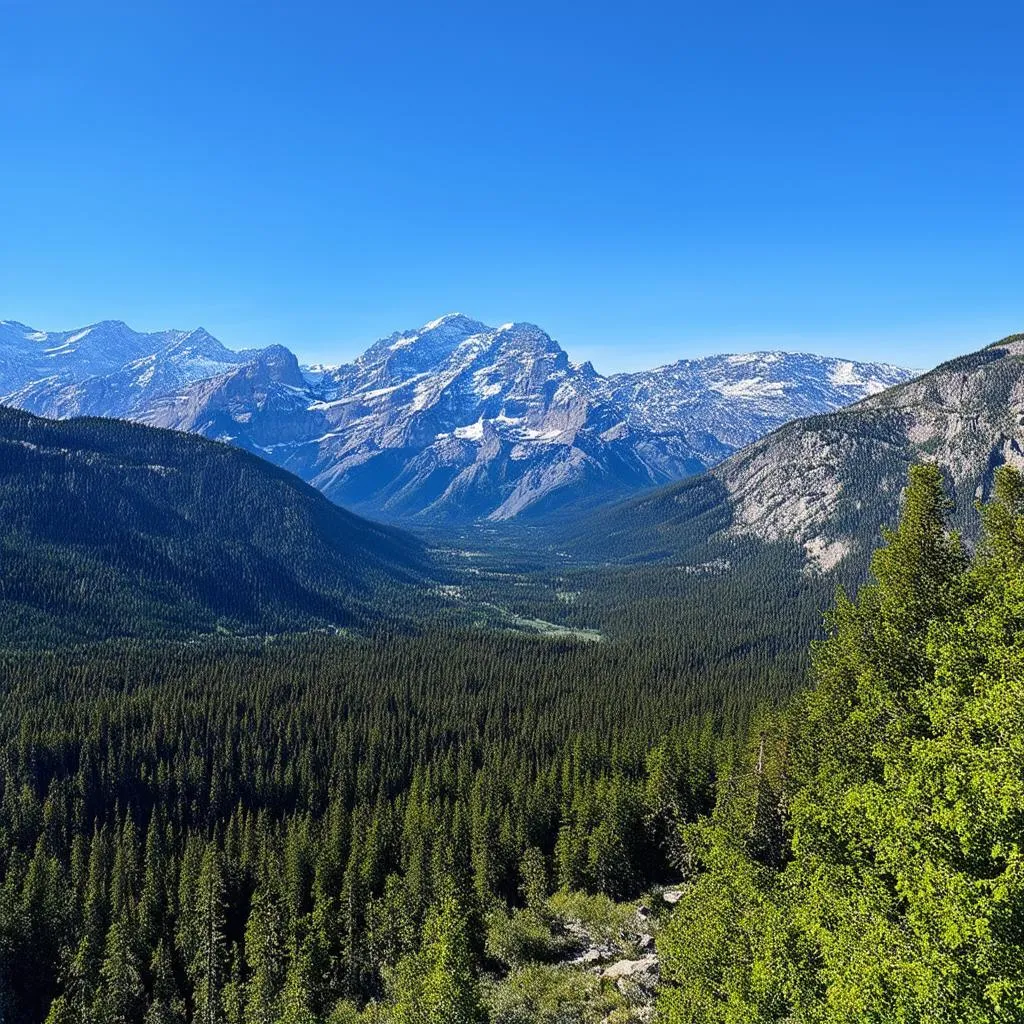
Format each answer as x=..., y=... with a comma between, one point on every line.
x=109, y=528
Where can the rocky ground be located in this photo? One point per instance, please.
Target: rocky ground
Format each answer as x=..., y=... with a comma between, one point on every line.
x=582, y=960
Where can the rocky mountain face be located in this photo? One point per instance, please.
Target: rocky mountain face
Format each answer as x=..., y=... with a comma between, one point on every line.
x=830, y=482
x=104, y=370
x=455, y=420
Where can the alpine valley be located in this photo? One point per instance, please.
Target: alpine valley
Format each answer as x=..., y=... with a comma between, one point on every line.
x=266, y=761
x=455, y=421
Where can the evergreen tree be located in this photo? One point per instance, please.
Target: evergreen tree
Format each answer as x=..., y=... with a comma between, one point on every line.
x=120, y=999
x=233, y=993
x=898, y=894
x=166, y=1005
x=438, y=985
x=298, y=999
x=264, y=954
x=208, y=968
x=533, y=874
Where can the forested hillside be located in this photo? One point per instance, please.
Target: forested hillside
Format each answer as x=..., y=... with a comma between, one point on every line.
x=112, y=529
x=864, y=862
x=423, y=829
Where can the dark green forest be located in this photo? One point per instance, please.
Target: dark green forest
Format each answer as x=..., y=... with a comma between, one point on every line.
x=389, y=827
x=162, y=805
x=110, y=528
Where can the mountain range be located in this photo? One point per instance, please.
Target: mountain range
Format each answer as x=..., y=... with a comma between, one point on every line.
x=453, y=421
x=829, y=483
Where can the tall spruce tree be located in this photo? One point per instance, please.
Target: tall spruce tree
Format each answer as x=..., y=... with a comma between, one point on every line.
x=120, y=999
x=264, y=954
x=438, y=985
x=207, y=970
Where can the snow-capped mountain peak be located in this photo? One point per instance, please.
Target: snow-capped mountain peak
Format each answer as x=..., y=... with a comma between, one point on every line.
x=429, y=341
x=453, y=418
x=447, y=319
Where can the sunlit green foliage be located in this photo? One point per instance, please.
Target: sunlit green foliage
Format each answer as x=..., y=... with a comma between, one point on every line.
x=893, y=888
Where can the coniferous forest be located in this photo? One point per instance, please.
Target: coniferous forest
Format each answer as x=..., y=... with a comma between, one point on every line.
x=432, y=825
x=545, y=542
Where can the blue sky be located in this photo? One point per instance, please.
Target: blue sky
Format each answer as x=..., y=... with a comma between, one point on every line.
x=644, y=180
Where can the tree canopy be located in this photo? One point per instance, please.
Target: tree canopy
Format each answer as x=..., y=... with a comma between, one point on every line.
x=894, y=890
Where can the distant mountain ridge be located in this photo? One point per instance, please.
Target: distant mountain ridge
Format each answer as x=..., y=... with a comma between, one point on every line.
x=455, y=420
x=737, y=399
x=106, y=369
x=828, y=483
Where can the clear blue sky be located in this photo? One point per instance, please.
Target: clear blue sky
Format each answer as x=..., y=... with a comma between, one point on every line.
x=644, y=180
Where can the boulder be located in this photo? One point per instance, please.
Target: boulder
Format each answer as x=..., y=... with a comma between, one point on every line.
x=627, y=974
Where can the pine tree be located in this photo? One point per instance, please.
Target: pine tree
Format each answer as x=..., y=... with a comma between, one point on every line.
x=83, y=973
x=438, y=985
x=120, y=999
x=208, y=969
x=533, y=885
x=390, y=929
x=264, y=954
x=153, y=900
x=166, y=1005
x=233, y=993
x=41, y=918
x=298, y=999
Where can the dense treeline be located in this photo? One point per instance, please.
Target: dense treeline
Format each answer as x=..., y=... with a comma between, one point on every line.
x=864, y=864
x=291, y=830
x=742, y=611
